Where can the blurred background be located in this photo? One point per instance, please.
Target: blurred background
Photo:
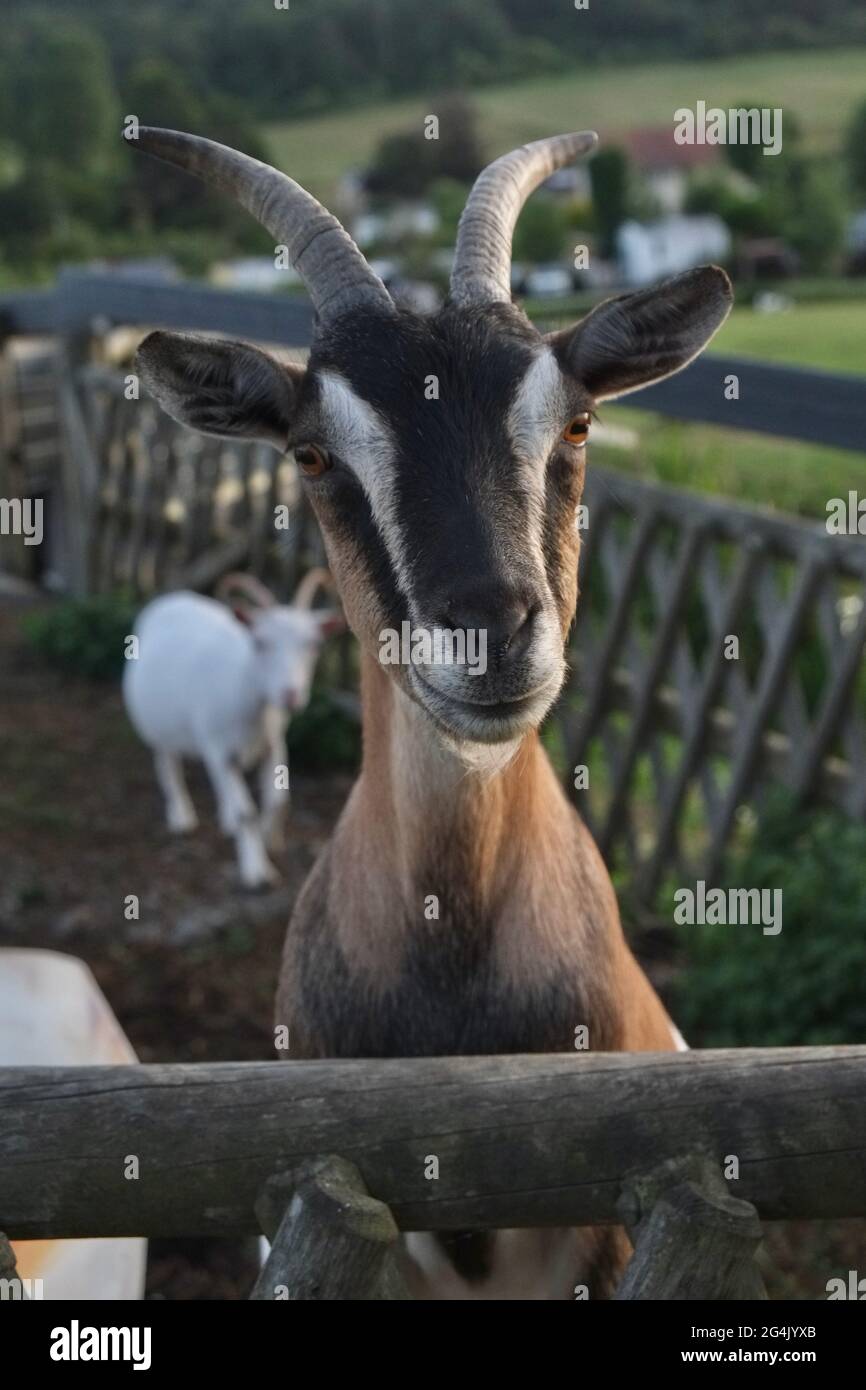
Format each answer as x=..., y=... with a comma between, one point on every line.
x=707, y=516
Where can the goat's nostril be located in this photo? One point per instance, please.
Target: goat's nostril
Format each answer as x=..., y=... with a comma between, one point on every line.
x=506, y=625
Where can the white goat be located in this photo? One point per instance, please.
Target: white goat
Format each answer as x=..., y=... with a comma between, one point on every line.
x=220, y=685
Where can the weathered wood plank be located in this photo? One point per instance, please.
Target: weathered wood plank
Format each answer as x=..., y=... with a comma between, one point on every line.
x=521, y=1141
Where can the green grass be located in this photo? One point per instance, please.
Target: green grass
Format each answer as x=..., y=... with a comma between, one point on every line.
x=750, y=468
x=821, y=89
x=830, y=336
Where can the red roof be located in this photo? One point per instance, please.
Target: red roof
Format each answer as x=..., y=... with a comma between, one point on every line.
x=654, y=147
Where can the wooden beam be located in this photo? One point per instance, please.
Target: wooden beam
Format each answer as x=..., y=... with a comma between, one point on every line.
x=520, y=1141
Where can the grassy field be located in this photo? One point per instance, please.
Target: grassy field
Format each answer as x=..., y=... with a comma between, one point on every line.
x=831, y=336
x=821, y=89
x=755, y=469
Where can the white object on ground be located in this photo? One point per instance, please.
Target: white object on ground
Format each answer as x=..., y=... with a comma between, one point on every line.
x=53, y=1013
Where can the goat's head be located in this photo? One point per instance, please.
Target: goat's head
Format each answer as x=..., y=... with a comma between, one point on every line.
x=287, y=637
x=444, y=455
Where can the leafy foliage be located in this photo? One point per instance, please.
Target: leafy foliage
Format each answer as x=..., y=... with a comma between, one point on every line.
x=323, y=736
x=804, y=986
x=84, y=636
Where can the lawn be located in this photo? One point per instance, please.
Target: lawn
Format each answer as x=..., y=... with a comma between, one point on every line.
x=754, y=469
x=831, y=336
x=821, y=89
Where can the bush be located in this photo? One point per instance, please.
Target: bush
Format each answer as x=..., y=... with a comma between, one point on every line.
x=84, y=636
x=323, y=737
x=806, y=985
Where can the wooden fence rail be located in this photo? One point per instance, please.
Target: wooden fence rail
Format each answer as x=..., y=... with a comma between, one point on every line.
x=520, y=1140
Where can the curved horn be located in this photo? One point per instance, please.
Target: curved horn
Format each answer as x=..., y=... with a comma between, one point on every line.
x=247, y=584
x=312, y=581
x=335, y=273
x=482, y=260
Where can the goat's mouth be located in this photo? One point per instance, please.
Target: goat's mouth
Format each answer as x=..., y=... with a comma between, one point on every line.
x=488, y=721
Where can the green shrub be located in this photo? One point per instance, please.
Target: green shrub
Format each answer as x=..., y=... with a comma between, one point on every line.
x=84, y=636
x=807, y=985
x=323, y=736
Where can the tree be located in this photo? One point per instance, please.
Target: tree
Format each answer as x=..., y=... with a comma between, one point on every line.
x=458, y=154
x=814, y=222
x=609, y=179
x=407, y=162
x=749, y=158
x=157, y=93
x=855, y=150
x=540, y=231
x=64, y=101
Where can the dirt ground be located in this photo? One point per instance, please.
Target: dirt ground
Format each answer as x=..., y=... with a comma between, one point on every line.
x=193, y=979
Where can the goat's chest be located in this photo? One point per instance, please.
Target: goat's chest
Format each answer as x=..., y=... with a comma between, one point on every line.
x=449, y=994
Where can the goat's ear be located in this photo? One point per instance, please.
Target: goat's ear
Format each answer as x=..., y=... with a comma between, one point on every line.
x=220, y=387
x=636, y=339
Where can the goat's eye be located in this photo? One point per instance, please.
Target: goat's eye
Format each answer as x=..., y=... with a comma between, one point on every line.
x=312, y=460
x=577, y=430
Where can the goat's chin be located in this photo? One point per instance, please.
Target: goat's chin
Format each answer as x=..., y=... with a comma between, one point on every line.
x=464, y=725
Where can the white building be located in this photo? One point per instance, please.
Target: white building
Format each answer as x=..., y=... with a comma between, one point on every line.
x=654, y=250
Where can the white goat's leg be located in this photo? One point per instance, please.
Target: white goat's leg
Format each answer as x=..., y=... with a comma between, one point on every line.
x=228, y=804
x=235, y=801
x=274, y=790
x=179, y=811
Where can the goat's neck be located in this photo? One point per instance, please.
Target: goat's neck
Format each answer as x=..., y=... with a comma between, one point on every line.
x=481, y=802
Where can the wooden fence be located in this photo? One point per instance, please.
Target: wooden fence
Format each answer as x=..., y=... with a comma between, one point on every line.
x=550, y=1140
x=718, y=649
x=159, y=507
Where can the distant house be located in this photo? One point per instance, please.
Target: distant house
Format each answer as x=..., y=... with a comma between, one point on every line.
x=766, y=258
x=650, y=251
x=395, y=222
x=666, y=166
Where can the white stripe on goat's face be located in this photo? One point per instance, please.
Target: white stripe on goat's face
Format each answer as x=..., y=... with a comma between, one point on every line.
x=450, y=503
x=357, y=434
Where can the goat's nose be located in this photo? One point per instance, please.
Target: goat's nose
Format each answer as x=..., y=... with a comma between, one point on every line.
x=506, y=617
x=291, y=700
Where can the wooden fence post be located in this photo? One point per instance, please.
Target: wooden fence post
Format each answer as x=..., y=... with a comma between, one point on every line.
x=692, y=1239
x=330, y=1240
